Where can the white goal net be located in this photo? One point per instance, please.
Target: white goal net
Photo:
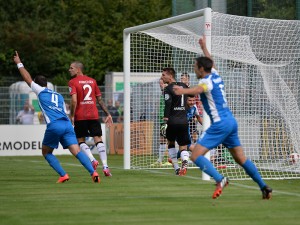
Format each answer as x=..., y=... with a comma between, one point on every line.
x=259, y=61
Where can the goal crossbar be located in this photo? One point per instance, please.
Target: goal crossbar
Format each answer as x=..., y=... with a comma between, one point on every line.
x=259, y=61
x=126, y=64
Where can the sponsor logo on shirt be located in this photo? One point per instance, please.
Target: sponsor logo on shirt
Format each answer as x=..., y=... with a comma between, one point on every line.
x=87, y=102
x=167, y=97
x=179, y=108
x=86, y=82
x=55, y=108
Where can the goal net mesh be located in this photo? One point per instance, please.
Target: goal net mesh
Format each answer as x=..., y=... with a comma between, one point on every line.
x=259, y=61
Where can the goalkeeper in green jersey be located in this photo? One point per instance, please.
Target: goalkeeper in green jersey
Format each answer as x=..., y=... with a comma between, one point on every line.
x=163, y=126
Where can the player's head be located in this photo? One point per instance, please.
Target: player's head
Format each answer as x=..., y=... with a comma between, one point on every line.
x=41, y=80
x=26, y=105
x=168, y=75
x=117, y=104
x=191, y=100
x=109, y=102
x=185, y=78
x=202, y=66
x=76, y=68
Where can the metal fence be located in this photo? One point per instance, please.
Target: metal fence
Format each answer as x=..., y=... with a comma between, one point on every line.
x=12, y=100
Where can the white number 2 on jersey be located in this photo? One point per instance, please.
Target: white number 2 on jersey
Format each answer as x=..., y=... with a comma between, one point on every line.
x=88, y=95
x=54, y=99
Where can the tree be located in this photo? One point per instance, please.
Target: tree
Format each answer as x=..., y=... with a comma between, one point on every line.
x=276, y=9
x=49, y=35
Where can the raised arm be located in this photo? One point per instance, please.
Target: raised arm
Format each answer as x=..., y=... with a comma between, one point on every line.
x=202, y=43
x=24, y=73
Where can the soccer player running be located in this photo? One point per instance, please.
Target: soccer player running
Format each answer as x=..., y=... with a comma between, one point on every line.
x=176, y=119
x=59, y=128
x=224, y=127
x=84, y=113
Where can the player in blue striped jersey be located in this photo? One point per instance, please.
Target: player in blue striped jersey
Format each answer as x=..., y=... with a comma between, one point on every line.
x=59, y=127
x=224, y=127
x=193, y=115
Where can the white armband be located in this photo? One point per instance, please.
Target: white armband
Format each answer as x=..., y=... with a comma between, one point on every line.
x=20, y=65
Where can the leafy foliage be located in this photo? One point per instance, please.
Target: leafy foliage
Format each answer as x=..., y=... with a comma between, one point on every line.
x=49, y=35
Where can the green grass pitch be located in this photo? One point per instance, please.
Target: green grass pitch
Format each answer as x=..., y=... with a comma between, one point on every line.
x=29, y=195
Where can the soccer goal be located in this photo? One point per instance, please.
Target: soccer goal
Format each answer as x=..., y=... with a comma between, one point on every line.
x=259, y=61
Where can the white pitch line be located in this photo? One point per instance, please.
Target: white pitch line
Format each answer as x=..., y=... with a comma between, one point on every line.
x=189, y=177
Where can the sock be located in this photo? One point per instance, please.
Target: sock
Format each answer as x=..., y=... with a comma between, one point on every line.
x=102, y=153
x=84, y=160
x=54, y=163
x=178, y=154
x=252, y=171
x=184, y=155
x=161, y=152
x=85, y=148
x=206, y=166
x=173, y=156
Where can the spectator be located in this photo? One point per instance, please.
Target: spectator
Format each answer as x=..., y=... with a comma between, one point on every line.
x=120, y=111
x=26, y=115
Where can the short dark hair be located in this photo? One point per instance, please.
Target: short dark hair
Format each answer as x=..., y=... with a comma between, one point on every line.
x=169, y=70
x=41, y=80
x=191, y=96
x=78, y=65
x=185, y=74
x=205, y=62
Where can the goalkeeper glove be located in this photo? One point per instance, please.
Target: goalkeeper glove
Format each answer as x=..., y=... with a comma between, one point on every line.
x=163, y=128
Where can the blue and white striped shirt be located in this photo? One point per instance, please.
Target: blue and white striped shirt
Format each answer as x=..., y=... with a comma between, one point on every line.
x=214, y=98
x=51, y=103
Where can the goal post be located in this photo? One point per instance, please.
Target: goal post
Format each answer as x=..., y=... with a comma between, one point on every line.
x=127, y=69
x=259, y=61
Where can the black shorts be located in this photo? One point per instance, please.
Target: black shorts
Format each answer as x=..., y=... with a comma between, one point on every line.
x=179, y=133
x=87, y=128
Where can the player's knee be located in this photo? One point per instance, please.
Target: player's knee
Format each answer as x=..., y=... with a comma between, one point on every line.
x=197, y=151
x=173, y=155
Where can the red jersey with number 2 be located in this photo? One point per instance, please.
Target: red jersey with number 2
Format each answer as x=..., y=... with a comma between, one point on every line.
x=87, y=90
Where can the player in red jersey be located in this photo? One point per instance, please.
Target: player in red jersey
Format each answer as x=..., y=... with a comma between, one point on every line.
x=84, y=113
